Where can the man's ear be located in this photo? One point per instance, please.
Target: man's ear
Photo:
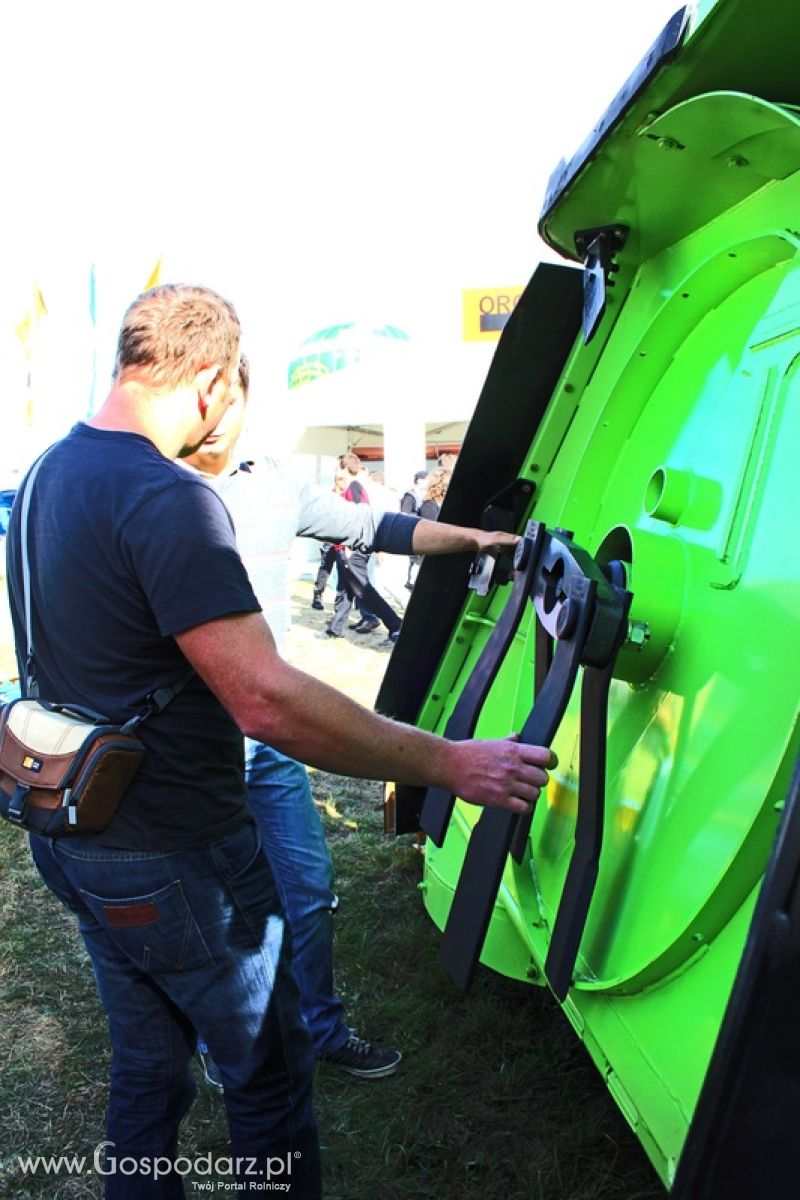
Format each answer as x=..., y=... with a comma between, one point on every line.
x=208, y=381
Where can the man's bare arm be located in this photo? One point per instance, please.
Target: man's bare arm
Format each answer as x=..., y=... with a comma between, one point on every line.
x=275, y=703
x=435, y=537
x=330, y=518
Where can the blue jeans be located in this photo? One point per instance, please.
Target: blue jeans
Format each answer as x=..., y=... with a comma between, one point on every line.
x=186, y=940
x=294, y=841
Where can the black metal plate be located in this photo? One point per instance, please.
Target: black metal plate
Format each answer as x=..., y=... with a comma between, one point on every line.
x=743, y=1138
x=525, y=369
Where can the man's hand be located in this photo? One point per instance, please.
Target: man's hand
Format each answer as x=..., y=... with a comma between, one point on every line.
x=495, y=542
x=436, y=537
x=502, y=773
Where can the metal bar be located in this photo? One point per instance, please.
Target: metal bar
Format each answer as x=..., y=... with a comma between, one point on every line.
x=561, y=678
x=438, y=805
x=488, y=848
x=573, y=908
x=543, y=657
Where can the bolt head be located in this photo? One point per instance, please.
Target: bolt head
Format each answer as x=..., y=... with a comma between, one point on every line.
x=522, y=554
x=638, y=634
x=567, y=619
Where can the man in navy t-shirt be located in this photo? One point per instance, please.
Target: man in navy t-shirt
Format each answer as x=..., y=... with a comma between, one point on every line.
x=134, y=576
x=269, y=509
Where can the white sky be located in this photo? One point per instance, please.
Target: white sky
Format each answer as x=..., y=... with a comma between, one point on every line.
x=314, y=161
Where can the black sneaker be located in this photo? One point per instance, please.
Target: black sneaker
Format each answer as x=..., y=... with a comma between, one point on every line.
x=393, y=636
x=211, y=1072
x=367, y=626
x=315, y=603
x=359, y=1057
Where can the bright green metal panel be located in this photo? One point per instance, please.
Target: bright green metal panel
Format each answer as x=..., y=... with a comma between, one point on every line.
x=672, y=443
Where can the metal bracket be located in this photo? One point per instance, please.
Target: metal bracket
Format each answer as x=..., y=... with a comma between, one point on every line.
x=504, y=511
x=598, y=249
x=586, y=616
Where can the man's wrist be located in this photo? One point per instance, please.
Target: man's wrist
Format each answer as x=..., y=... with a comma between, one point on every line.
x=448, y=763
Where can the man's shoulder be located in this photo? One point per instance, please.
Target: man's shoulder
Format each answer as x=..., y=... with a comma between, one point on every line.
x=113, y=470
x=156, y=478
x=111, y=453
x=160, y=495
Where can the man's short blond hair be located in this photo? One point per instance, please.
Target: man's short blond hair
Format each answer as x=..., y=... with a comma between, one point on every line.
x=171, y=332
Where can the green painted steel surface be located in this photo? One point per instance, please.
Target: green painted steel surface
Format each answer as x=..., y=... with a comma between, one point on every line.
x=671, y=442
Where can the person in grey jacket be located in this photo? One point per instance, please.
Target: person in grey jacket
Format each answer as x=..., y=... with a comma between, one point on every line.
x=269, y=509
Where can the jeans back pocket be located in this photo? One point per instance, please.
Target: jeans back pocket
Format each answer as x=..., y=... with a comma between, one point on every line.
x=156, y=931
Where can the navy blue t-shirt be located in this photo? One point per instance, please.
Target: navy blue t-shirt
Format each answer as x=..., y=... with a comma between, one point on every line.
x=126, y=550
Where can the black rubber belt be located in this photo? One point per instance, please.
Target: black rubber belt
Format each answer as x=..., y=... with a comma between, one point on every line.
x=576, y=897
x=491, y=838
x=438, y=806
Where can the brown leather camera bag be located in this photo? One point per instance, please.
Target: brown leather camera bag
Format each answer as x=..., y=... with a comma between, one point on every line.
x=61, y=771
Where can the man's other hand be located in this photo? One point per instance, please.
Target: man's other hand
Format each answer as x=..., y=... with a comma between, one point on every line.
x=503, y=773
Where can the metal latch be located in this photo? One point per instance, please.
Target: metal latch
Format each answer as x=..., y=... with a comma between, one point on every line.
x=598, y=249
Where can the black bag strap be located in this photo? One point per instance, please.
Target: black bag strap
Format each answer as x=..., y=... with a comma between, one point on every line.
x=155, y=702
x=31, y=683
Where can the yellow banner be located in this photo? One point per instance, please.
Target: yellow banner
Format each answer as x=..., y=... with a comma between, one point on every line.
x=26, y=328
x=485, y=311
x=154, y=278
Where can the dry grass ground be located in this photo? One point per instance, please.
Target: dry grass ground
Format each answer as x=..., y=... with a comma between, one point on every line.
x=495, y=1098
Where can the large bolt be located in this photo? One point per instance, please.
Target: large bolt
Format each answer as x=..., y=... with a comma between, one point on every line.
x=638, y=634
x=567, y=619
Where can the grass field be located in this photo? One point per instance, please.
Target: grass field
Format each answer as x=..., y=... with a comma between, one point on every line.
x=495, y=1099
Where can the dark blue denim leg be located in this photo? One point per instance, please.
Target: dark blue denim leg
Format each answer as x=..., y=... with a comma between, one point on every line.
x=362, y=589
x=151, y=1084
x=193, y=939
x=294, y=841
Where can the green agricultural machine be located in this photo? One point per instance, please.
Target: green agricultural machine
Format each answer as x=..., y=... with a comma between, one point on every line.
x=640, y=429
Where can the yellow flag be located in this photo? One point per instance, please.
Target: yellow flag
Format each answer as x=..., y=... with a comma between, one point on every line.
x=26, y=328
x=154, y=278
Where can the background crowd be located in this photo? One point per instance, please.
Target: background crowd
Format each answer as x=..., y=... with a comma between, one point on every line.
x=358, y=577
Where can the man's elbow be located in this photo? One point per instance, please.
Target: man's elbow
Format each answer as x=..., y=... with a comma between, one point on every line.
x=253, y=717
x=251, y=724
x=261, y=714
